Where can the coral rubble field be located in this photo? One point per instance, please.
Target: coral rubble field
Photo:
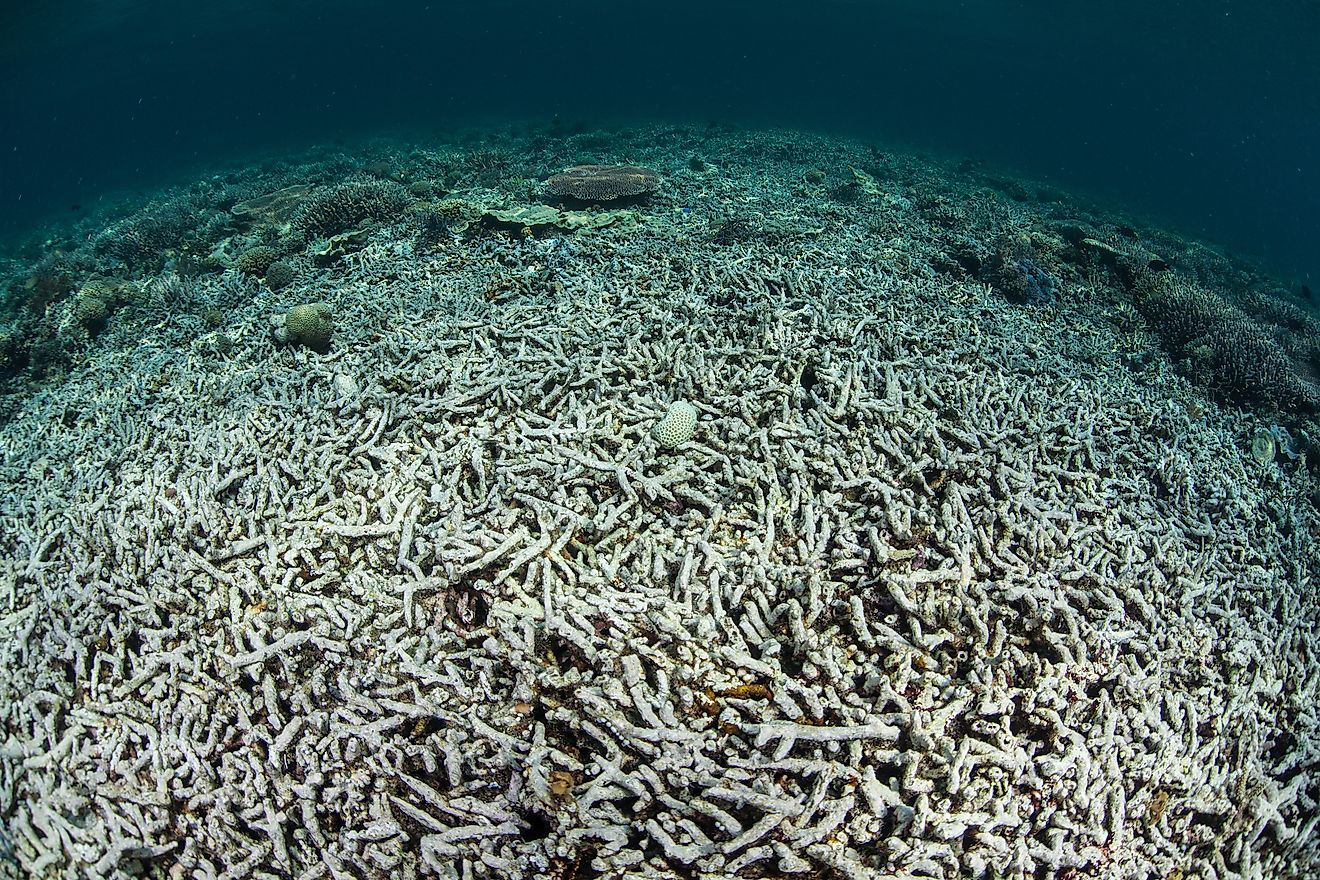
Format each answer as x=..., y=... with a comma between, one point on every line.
x=790, y=508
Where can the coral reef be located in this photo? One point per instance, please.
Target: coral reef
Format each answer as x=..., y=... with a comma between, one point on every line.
x=1182, y=311
x=309, y=324
x=255, y=261
x=1015, y=271
x=280, y=274
x=272, y=207
x=90, y=310
x=677, y=426
x=1222, y=347
x=603, y=183
x=145, y=240
x=91, y=306
x=342, y=206
x=946, y=587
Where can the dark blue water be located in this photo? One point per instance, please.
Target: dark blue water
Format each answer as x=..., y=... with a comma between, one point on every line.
x=1204, y=114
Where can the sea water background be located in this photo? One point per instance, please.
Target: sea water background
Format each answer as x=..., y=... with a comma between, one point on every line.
x=1204, y=114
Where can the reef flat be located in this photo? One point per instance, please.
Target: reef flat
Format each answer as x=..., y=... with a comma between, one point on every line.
x=353, y=523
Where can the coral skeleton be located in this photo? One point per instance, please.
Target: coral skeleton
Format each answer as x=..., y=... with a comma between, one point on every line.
x=945, y=586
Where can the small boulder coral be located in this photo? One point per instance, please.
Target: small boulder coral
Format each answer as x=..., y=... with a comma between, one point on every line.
x=91, y=306
x=255, y=261
x=91, y=311
x=678, y=425
x=280, y=274
x=309, y=324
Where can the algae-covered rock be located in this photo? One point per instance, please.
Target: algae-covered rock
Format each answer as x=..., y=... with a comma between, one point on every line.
x=1263, y=447
x=278, y=205
x=526, y=215
x=452, y=215
x=865, y=182
x=13, y=354
x=544, y=215
x=459, y=215
x=338, y=246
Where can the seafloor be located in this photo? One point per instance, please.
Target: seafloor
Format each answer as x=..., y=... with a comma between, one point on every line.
x=993, y=553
